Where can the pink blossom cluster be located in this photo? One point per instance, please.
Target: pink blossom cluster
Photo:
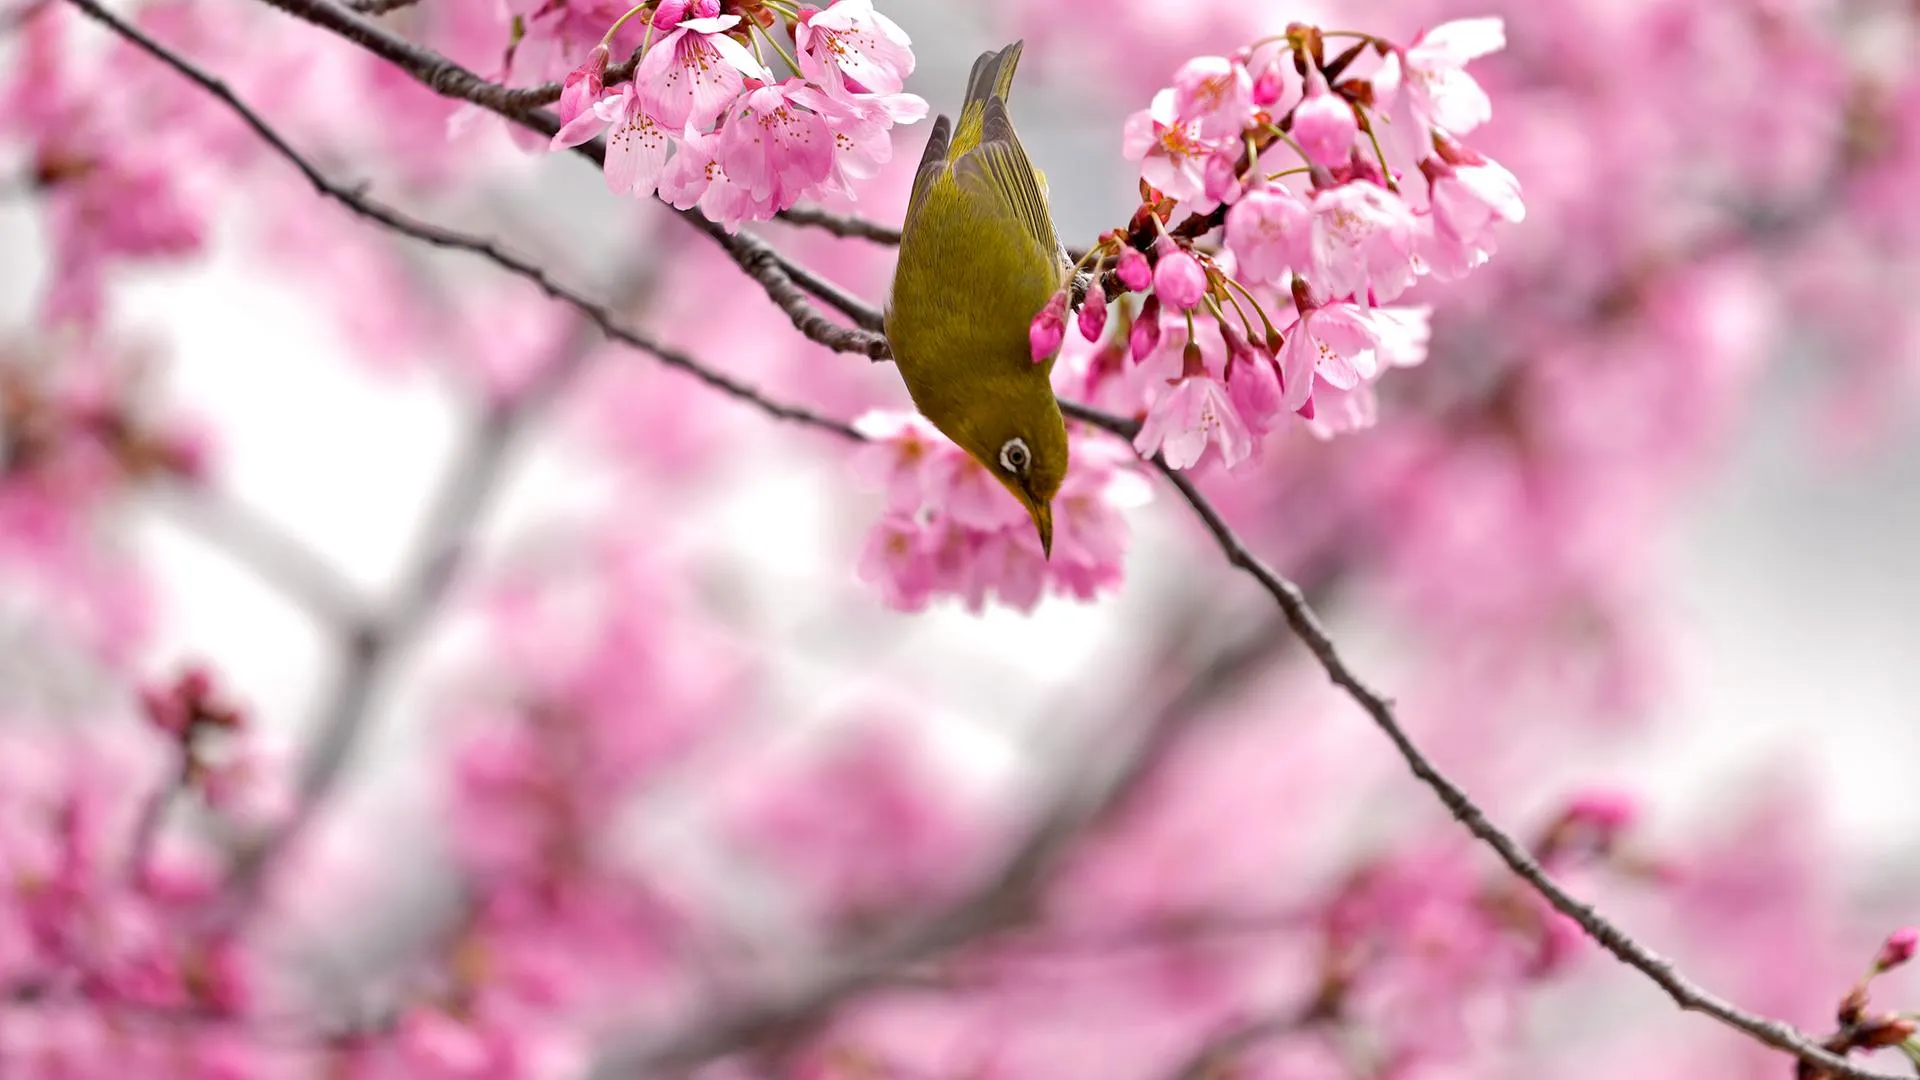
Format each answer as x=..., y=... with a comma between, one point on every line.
x=949, y=528
x=109, y=910
x=111, y=193
x=74, y=440
x=706, y=122
x=1309, y=203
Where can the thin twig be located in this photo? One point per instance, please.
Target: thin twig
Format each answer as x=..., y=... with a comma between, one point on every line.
x=1307, y=626
x=438, y=236
x=848, y=226
x=379, y=7
x=782, y=279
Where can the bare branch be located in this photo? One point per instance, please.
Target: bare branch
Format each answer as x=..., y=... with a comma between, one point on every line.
x=849, y=226
x=533, y=97
x=781, y=278
x=438, y=236
x=379, y=7
x=1307, y=626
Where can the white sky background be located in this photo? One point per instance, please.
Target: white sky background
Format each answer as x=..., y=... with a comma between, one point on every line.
x=1794, y=582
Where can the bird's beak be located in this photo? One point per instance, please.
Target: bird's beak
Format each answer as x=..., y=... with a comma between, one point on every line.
x=1042, y=514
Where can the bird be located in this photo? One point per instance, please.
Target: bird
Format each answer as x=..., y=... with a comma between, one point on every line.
x=978, y=260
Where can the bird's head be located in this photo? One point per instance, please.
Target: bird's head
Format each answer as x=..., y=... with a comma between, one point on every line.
x=1024, y=446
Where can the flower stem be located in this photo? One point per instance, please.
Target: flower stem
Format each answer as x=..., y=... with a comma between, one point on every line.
x=607, y=39
x=1374, y=138
x=1258, y=310
x=777, y=47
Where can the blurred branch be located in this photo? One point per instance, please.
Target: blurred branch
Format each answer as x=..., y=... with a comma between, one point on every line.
x=1215, y=1057
x=380, y=7
x=16, y=17
x=1096, y=788
x=279, y=559
x=356, y=200
x=467, y=489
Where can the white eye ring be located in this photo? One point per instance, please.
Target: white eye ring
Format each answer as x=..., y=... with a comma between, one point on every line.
x=1015, y=457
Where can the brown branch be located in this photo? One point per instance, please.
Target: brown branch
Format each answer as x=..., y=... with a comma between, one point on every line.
x=847, y=226
x=356, y=201
x=533, y=97
x=381, y=7
x=782, y=279
x=1307, y=626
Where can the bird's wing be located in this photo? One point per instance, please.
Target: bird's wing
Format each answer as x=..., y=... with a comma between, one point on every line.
x=998, y=170
x=932, y=162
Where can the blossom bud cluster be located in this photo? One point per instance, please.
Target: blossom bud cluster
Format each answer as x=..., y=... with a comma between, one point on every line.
x=706, y=122
x=1309, y=202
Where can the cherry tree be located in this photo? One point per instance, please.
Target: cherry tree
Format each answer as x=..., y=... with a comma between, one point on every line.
x=1425, y=322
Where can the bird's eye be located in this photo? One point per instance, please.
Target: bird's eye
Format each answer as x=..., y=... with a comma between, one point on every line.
x=1015, y=457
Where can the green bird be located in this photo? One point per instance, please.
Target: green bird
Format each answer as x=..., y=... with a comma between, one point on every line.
x=978, y=259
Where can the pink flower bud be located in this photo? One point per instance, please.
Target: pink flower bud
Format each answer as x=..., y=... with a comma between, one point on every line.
x=1221, y=181
x=1132, y=270
x=1267, y=88
x=1324, y=124
x=1178, y=279
x=1897, y=949
x=669, y=14
x=195, y=685
x=1253, y=385
x=1093, y=314
x=1605, y=811
x=583, y=85
x=1145, y=335
x=1049, y=328
x=164, y=709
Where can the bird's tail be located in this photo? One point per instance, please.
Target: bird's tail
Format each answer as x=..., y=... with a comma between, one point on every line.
x=992, y=77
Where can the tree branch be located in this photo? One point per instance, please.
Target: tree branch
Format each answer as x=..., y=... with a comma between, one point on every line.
x=781, y=278
x=381, y=7
x=533, y=97
x=848, y=226
x=1307, y=626
x=359, y=203
x=1095, y=789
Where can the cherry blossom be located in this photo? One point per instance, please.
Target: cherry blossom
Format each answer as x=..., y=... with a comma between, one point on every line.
x=852, y=48
x=689, y=77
